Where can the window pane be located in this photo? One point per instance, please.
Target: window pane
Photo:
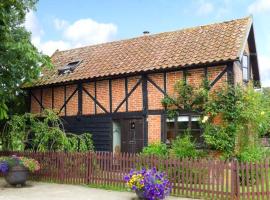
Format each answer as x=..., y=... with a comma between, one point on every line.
x=170, y=131
x=195, y=125
x=245, y=67
x=197, y=136
x=182, y=122
x=245, y=73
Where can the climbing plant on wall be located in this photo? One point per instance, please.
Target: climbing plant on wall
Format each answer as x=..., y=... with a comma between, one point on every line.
x=42, y=132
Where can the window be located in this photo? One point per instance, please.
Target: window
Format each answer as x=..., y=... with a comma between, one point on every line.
x=70, y=67
x=245, y=67
x=178, y=126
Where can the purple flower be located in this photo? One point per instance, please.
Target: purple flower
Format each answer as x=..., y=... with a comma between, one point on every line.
x=156, y=184
x=3, y=166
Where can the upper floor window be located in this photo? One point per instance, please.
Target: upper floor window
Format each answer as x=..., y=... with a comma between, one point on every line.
x=245, y=67
x=68, y=68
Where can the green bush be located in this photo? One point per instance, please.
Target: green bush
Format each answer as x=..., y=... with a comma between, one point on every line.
x=252, y=154
x=157, y=149
x=183, y=147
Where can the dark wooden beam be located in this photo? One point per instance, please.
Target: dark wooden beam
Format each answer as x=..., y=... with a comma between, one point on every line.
x=110, y=94
x=95, y=104
x=40, y=104
x=145, y=109
x=230, y=74
x=52, y=97
x=41, y=100
x=156, y=86
x=80, y=99
x=218, y=77
x=126, y=92
x=154, y=71
x=67, y=100
x=165, y=82
x=95, y=100
x=128, y=95
x=206, y=72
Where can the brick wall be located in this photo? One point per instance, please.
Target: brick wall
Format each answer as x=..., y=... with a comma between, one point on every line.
x=88, y=106
x=118, y=94
x=35, y=107
x=135, y=102
x=154, y=128
x=154, y=95
x=72, y=105
x=103, y=95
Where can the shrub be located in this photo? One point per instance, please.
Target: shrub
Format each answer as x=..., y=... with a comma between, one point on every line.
x=42, y=132
x=183, y=147
x=157, y=149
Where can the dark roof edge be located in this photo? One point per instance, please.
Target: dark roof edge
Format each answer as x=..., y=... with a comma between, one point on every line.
x=171, y=69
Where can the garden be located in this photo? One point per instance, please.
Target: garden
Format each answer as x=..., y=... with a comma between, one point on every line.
x=37, y=147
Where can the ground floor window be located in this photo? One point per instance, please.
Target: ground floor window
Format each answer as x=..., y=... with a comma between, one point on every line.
x=178, y=126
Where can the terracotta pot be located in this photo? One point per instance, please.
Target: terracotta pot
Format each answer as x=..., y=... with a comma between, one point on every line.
x=140, y=194
x=17, y=175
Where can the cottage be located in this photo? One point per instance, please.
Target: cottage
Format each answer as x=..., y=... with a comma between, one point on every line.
x=114, y=90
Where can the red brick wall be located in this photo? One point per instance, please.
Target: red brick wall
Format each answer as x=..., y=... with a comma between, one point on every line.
x=154, y=128
x=194, y=77
x=135, y=99
x=213, y=72
x=35, y=107
x=88, y=106
x=72, y=105
x=59, y=99
x=118, y=94
x=172, y=78
x=103, y=95
x=154, y=95
x=47, y=98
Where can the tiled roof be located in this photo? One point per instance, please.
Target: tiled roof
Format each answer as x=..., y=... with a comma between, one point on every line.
x=199, y=45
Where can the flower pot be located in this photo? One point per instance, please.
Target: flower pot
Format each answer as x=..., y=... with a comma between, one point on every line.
x=17, y=175
x=140, y=194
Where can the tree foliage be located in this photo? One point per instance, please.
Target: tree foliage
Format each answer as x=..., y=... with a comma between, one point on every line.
x=43, y=132
x=20, y=61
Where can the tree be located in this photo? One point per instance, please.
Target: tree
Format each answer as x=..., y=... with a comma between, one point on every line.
x=20, y=61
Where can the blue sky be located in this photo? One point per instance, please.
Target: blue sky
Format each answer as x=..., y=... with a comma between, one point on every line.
x=65, y=24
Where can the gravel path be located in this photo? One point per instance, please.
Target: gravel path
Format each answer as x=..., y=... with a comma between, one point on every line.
x=51, y=191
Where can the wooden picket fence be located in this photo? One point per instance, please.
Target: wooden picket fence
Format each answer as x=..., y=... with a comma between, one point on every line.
x=207, y=179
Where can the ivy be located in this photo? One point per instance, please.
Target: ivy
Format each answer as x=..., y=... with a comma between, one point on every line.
x=43, y=132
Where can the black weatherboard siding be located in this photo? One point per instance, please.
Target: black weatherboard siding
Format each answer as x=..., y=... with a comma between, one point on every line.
x=99, y=127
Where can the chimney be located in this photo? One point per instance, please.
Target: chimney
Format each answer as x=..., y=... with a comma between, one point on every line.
x=146, y=32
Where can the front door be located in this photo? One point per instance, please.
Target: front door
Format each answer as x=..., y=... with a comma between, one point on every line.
x=131, y=135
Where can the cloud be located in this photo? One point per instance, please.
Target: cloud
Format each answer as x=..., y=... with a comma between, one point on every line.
x=60, y=24
x=88, y=31
x=264, y=62
x=259, y=6
x=205, y=8
x=80, y=33
x=32, y=24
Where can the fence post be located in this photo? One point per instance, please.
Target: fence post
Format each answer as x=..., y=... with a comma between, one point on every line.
x=235, y=185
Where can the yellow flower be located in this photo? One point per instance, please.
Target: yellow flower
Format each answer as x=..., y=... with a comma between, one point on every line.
x=262, y=113
x=205, y=118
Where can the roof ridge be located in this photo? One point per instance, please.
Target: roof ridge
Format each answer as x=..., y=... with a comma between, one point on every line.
x=154, y=34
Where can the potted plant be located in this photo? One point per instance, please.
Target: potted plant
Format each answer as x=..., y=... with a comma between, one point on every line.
x=148, y=184
x=16, y=169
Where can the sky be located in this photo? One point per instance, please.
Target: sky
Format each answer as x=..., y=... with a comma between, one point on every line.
x=65, y=24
